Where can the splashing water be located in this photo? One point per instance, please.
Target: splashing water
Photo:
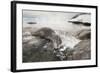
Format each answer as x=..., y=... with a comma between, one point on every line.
x=68, y=41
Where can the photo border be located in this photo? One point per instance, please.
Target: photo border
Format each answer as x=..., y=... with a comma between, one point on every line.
x=13, y=34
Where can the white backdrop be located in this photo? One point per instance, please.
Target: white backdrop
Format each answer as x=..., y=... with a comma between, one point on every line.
x=5, y=36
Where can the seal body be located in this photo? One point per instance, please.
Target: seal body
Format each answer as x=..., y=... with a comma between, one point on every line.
x=49, y=34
